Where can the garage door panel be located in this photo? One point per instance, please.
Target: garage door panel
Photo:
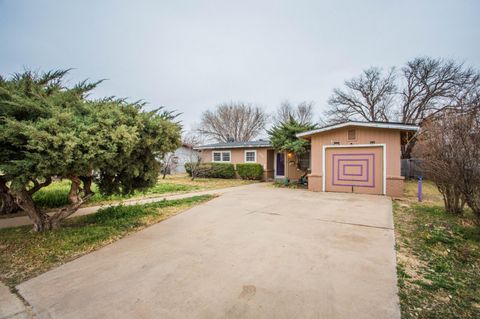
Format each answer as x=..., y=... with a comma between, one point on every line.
x=354, y=169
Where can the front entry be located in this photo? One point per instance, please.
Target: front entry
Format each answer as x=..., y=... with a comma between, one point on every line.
x=354, y=170
x=280, y=165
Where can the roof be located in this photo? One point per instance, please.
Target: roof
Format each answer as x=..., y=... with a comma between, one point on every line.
x=249, y=144
x=384, y=125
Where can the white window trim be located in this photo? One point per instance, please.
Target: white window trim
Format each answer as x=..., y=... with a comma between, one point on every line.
x=384, y=146
x=245, y=156
x=221, y=156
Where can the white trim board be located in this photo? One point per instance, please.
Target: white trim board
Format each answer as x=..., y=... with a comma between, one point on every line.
x=393, y=126
x=384, y=147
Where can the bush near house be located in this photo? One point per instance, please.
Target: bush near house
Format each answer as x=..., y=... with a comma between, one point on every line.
x=250, y=171
x=213, y=170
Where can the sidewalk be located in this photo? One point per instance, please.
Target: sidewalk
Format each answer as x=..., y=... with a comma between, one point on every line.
x=10, y=306
x=24, y=220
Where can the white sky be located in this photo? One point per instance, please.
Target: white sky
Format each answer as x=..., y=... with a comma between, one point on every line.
x=193, y=55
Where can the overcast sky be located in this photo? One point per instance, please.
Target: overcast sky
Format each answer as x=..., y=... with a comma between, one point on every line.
x=193, y=55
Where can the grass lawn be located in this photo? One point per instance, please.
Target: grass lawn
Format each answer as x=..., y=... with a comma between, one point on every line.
x=438, y=258
x=55, y=195
x=25, y=254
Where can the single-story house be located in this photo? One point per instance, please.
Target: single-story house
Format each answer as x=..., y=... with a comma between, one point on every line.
x=357, y=157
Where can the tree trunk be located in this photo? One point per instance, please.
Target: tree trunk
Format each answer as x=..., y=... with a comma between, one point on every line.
x=87, y=184
x=63, y=213
x=7, y=202
x=41, y=221
x=74, y=193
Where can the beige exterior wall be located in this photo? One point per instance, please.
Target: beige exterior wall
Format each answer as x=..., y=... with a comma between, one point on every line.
x=237, y=156
x=389, y=137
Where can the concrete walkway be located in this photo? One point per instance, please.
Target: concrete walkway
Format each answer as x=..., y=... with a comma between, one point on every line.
x=255, y=252
x=24, y=220
x=10, y=306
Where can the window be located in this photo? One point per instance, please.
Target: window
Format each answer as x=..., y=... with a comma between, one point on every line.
x=217, y=157
x=351, y=135
x=250, y=156
x=223, y=156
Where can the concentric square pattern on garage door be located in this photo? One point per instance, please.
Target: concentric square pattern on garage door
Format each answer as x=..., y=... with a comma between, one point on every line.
x=353, y=170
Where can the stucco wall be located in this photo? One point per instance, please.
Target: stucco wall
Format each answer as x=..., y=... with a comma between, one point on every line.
x=363, y=136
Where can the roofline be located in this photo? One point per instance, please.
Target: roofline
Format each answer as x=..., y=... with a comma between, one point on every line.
x=213, y=147
x=394, y=126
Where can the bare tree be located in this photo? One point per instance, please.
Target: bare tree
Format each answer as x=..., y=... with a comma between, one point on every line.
x=368, y=97
x=431, y=85
x=302, y=113
x=169, y=163
x=449, y=147
x=237, y=121
x=427, y=86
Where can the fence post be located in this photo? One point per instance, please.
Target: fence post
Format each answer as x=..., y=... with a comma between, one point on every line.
x=420, y=188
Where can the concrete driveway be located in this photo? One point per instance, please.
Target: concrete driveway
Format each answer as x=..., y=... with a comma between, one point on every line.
x=259, y=252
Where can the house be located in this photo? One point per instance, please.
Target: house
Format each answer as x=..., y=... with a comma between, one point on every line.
x=353, y=157
x=357, y=157
x=182, y=155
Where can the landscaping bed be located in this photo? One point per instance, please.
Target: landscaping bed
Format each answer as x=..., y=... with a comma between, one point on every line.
x=438, y=258
x=25, y=254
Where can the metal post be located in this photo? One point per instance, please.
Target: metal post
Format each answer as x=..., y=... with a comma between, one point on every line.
x=420, y=188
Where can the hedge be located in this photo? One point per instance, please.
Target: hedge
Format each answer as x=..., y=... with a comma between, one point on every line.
x=250, y=171
x=213, y=170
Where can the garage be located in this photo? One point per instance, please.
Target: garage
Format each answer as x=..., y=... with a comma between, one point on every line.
x=358, y=157
x=354, y=169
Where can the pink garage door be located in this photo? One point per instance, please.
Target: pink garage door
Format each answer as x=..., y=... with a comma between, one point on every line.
x=354, y=170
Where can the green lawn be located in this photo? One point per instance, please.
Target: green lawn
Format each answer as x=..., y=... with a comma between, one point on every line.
x=55, y=195
x=438, y=258
x=25, y=254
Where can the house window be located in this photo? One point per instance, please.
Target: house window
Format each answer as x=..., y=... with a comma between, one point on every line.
x=217, y=157
x=250, y=156
x=352, y=135
x=223, y=156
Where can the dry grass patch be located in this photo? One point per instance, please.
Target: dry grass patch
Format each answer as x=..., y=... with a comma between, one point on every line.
x=438, y=258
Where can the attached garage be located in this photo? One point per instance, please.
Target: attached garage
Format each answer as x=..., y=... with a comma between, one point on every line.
x=357, y=157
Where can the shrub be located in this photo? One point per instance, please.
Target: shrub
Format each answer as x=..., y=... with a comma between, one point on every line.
x=213, y=170
x=222, y=170
x=250, y=171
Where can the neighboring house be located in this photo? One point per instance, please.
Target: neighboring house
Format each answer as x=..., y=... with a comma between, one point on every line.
x=357, y=157
x=182, y=155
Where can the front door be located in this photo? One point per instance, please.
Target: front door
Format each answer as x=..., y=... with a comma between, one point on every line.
x=280, y=165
